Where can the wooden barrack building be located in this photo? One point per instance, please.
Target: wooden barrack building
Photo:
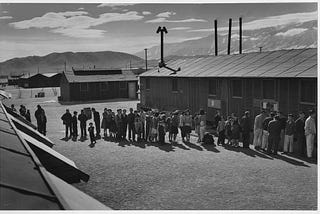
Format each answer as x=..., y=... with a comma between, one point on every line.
x=98, y=84
x=283, y=80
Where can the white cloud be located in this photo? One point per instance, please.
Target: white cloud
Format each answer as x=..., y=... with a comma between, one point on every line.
x=125, y=10
x=79, y=32
x=115, y=5
x=166, y=14
x=180, y=28
x=5, y=17
x=71, y=23
x=271, y=21
x=162, y=20
x=80, y=8
x=5, y=11
x=292, y=32
x=146, y=13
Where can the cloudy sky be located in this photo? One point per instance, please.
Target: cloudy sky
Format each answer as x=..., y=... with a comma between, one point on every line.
x=39, y=29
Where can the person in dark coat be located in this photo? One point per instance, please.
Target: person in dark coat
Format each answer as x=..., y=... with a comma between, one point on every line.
x=301, y=139
x=96, y=119
x=131, y=126
x=91, y=135
x=28, y=116
x=41, y=120
x=265, y=134
x=83, y=124
x=274, y=129
x=119, y=124
x=67, y=119
x=124, y=123
x=74, y=124
x=217, y=118
x=245, y=124
x=236, y=131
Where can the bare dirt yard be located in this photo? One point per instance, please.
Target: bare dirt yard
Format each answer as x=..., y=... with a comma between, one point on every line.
x=126, y=175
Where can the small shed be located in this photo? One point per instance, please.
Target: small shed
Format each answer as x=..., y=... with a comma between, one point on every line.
x=98, y=84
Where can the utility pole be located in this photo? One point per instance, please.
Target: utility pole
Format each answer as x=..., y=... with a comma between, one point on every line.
x=146, y=57
x=216, y=37
x=65, y=66
x=161, y=31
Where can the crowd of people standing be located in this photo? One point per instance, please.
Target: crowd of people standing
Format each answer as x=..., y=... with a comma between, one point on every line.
x=272, y=131
x=147, y=125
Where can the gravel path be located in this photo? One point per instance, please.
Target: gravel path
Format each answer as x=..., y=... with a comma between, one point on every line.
x=183, y=176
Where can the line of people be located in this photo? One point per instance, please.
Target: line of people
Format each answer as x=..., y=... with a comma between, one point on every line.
x=274, y=128
x=146, y=125
x=271, y=131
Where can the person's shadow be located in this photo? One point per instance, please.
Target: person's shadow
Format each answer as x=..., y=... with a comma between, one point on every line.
x=247, y=151
x=210, y=147
x=167, y=147
x=178, y=145
x=193, y=146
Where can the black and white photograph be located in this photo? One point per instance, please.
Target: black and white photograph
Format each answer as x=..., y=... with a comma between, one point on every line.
x=168, y=106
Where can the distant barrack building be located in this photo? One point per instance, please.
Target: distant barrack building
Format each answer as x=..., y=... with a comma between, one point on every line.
x=283, y=80
x=98, y=84
x=40, y=80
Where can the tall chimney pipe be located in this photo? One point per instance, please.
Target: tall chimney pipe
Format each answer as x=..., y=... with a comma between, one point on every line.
x=229, y=36
x=146, y=57
x=240, y=35
x=216, y=37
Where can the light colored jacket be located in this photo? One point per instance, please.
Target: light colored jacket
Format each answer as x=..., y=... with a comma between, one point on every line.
x=310, y=126
x=258, y=122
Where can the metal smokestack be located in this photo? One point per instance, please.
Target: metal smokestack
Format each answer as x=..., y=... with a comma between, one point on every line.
x=146, y=57
x=216, y=37
x=229, y=36
x=240, y=35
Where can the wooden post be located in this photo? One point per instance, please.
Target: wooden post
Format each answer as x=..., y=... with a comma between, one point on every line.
x=240, y=35
x=216, y=37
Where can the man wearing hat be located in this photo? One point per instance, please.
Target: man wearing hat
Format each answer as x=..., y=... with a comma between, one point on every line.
x=245, y=124
x=310, y=132
x=301, y=138
x=265, y=134
x=288, y=135
x=67, y=119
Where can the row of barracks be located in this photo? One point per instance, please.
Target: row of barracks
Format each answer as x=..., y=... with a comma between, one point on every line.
x=283, y=80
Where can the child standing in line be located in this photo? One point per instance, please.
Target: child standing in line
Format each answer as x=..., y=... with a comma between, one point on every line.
x=162, y=129
x=91, y=134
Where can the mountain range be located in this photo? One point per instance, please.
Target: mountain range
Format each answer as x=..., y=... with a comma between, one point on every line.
x=55, y=62
x=292, y=36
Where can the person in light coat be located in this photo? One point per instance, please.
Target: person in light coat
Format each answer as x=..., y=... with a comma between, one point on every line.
x=310, y=132
x=258, y=129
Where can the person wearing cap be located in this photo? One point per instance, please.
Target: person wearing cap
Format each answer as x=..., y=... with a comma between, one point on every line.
x=74, y=124
x=67, y=119
x=174, y=125
x=301, y=139
x=283, y=121
x=310, y=132
x=257, y=130
x=245, y=124
x=96, y=119
x=265, y=133
x=288, y=135
x=82, y=117
x=274, y=129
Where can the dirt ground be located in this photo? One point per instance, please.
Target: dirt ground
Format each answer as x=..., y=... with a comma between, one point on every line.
x=183, y=175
